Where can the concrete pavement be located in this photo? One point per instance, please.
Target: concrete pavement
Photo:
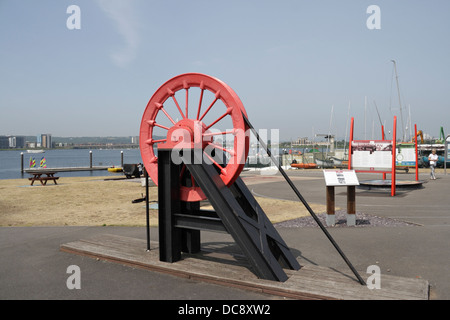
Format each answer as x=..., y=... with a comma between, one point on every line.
x=32, y=267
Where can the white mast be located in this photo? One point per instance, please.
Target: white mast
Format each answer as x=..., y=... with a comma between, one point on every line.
x=346, y=129
x=399, y=101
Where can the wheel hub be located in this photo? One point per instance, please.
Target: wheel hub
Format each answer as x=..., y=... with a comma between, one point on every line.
x=187, y=134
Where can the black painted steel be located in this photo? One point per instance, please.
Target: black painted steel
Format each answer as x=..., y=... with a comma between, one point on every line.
x=168, y=204
x=236, y=212
x=250, y=228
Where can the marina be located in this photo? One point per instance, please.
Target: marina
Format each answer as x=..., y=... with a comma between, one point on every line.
x=67, y=162
x=67, y=169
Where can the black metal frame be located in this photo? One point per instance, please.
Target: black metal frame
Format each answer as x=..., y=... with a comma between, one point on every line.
x=236, y=212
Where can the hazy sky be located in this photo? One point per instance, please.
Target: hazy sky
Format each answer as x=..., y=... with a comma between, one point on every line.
x=290, y=62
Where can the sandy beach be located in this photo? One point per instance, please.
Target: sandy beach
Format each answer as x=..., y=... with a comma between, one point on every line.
x=100, y=201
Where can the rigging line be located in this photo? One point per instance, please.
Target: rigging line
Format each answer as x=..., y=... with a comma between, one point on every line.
x=379, y=118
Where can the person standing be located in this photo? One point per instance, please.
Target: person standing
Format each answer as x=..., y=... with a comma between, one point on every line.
x=433, y=158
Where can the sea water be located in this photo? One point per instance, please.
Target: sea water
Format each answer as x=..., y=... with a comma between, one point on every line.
x=10, y=161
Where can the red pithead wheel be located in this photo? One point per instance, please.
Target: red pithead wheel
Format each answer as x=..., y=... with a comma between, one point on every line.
x=199, y=111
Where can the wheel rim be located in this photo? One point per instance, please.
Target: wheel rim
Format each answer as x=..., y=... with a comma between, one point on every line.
x=211, y=115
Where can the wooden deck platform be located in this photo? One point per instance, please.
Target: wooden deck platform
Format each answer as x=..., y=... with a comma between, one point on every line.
x=214, y=266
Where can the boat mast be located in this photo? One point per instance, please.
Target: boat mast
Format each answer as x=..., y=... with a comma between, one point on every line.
x=379, y=118
x=329, y=130
x=399, y=101
x=346, y=129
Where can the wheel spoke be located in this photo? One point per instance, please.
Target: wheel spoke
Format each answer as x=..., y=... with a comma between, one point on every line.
x=153, y=123
x=151, y=141
x=218, y=133
x=200, y=103
x=220, y=118
x=217, y=96
x=187, y=102
x=159, y=106
x=231, y=152
x=168, y=116
x=178, y=106
x=161, y=126
x=222, y=169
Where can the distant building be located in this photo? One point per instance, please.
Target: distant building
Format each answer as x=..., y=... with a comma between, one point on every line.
x=17, y=142
x=12, y=142
x=46, y=140
x=20, y=142
x=38, y=141
x=135, y=140
x=4, y=142
x=301, y=141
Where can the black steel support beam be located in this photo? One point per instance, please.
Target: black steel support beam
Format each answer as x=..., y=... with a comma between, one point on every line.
x=168, y=203
x=262, y=249
x=273, y=241
x=236, y=212
x=196, y=222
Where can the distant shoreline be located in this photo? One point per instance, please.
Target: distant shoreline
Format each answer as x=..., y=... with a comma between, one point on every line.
x=114, y=147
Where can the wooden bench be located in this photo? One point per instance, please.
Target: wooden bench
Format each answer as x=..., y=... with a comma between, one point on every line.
x=37, y=176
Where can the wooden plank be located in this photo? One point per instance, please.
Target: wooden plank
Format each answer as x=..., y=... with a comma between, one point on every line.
x=392, y=286
x=310, y=282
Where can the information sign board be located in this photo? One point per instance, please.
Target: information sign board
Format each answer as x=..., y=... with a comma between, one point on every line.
x=340, y=177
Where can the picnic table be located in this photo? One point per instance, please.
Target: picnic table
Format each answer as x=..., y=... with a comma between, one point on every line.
x=38, y=176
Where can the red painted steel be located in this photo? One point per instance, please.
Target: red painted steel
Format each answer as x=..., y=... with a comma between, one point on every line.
x=193, y=132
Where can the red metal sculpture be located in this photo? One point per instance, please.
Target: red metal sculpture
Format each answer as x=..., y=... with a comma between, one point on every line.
x=172, y=101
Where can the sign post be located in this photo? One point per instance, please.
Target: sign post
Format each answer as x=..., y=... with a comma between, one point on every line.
x=341, y=178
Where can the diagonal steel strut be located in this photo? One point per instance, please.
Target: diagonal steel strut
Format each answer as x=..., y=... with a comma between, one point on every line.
x=294, y=188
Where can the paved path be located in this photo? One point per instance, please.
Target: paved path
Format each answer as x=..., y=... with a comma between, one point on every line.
x=413, y=251
x=32, y=267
